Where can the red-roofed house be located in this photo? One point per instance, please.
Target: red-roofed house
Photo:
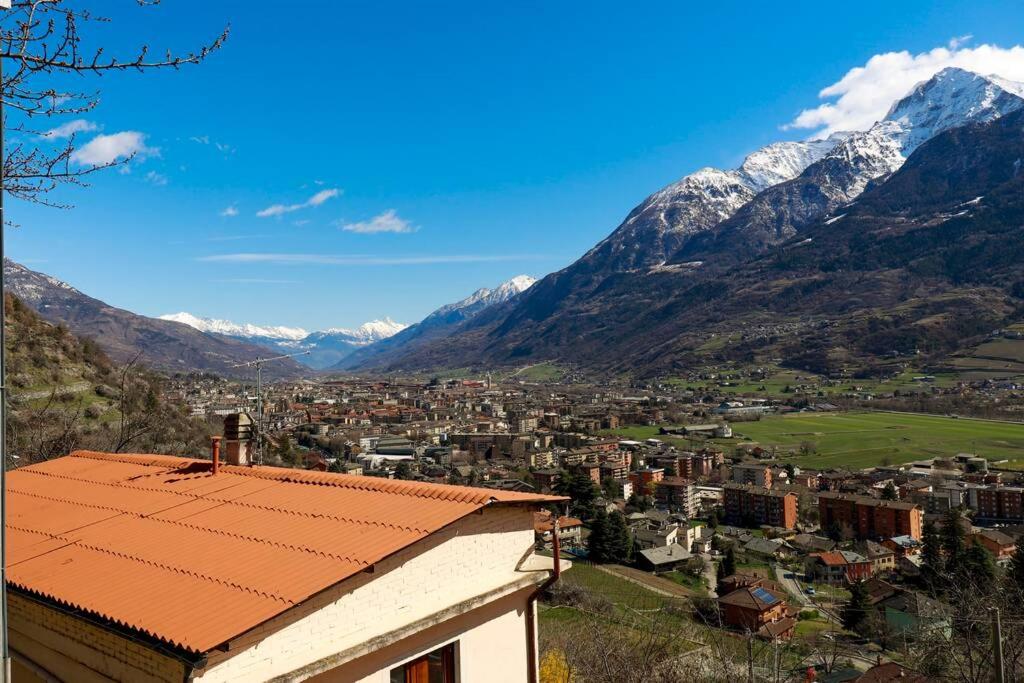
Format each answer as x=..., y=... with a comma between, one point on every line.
x=155, y=568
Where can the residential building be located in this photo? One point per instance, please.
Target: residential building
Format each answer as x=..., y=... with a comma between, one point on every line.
x=644, y=480
x=758, y=610
x=752, y=473
x=1001, y=503
x=746, y=505
x=158, y=568
x=870, y=518
x=676, y=493
x=1002, y=546
x=839, y=566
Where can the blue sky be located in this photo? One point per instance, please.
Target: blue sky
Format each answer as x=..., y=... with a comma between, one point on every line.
x=468, y=142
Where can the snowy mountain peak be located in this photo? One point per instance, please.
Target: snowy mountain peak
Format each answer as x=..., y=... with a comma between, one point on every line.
x=951, y=98
x=517, y=285
x=232, y=329
x=371, y=331
x=485, y=297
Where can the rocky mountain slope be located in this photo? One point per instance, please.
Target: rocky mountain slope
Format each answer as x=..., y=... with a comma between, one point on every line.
x=325, y=348
x=438, y=323
x=731, y=276
x=160, y=344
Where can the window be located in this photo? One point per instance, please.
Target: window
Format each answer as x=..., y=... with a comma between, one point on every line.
x=435, y=667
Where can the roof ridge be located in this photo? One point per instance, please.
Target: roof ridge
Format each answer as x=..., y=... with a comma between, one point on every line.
x=449, y=492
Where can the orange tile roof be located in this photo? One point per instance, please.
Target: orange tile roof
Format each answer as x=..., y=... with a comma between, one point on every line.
x=160, y=545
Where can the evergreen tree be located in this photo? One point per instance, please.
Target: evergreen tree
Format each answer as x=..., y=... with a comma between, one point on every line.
x=855, y=613
x=979, y=566
x=889, y=492
x=403, y=470
x=582, y=490
x=619, y=543
x=932, y=566
x=953, y=542
x=713, y=519
x=728, y=565
x=597, y=542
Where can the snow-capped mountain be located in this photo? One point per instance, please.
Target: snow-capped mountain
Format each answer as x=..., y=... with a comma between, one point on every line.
x=367, y=333
x=325, y=348
x=230, y=329
x=484, y=298
x=951, y=98
x=442, y=320
x=656, y=229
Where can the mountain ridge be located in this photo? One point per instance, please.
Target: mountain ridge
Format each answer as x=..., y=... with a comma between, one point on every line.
x=160, y=344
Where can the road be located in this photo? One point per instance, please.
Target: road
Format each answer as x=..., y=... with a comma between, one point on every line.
x=787, y=580
x=710, y=575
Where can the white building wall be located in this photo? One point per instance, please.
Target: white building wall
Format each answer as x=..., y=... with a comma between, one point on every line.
x=471, y=557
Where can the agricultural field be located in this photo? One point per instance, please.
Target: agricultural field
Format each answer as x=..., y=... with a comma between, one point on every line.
x=782, y=382
x=1001, y=358
x=865, y=439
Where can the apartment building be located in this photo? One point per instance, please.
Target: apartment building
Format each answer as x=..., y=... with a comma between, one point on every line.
x=747, y=504
x=870, y=518
x=752, y=473
x=677, y=493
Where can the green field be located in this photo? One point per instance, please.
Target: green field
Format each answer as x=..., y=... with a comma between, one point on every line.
x=541, y=372
x=782, y=382
x=864, y=439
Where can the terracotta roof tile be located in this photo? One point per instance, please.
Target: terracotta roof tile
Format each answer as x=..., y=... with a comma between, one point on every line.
x=160, y=545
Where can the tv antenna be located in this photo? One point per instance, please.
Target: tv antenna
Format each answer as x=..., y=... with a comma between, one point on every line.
x=258, y=363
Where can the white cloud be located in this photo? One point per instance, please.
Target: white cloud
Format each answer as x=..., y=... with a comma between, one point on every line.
x=360, y=260
x=229, y=211
x=201, y=139
x=864, y=94
x=66, y=130
x=157, y=179
x=385, y=222
x=104, y=149
x=957, y=42
x=316, y=200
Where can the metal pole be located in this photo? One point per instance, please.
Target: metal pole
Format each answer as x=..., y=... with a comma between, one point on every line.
x=997, y=646
x=5, y=654
x=259, y=411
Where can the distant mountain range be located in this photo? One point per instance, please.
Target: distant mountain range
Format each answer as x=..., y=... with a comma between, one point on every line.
x=839, y=254
x=704, y=269
x=439, y=323
x=325, y=348
x=160, y=344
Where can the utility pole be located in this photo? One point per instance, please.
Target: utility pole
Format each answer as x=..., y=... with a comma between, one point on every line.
x=997, y=646
x=258, y=364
